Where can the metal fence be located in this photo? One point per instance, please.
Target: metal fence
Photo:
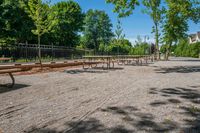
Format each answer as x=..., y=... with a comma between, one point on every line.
x=29, y=52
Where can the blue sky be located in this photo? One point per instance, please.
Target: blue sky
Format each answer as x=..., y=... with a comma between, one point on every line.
x=136, y=24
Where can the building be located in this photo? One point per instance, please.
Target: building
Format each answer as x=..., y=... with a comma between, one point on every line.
x=194, y=38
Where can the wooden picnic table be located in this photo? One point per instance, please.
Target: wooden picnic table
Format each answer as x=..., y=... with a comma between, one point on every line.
x=129, y=58
x=100, y=59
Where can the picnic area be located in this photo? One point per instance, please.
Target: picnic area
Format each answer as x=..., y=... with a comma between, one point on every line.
x=163, y=96
x=99, y=66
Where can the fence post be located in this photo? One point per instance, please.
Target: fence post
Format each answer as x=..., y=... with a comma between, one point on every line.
x=52, y=55
x=26, y=50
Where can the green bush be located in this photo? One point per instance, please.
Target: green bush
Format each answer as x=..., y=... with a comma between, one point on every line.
x=184, y=49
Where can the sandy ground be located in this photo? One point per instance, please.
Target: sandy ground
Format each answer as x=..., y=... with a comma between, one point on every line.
x=161, y=97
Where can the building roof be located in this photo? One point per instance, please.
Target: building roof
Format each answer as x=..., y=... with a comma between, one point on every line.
x=198, y=34
x=193, y=37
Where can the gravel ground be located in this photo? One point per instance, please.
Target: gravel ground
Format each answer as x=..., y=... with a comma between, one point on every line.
x=161, y=97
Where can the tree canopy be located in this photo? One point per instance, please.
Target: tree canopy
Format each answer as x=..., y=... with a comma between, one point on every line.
x=69, y=18
x=124, y=7
x=97, y=29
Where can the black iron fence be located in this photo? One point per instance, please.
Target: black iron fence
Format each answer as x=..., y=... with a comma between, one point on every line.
x=29, y=52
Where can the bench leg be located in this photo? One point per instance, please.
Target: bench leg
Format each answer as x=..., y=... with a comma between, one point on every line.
x=13, y=80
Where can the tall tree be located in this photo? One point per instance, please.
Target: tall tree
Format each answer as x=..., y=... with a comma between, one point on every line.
x=105, y=28
x=70, y=21
x=154, y=10
x=42, y=16
x=175, y=24
x=97, y=29
x=119, y=31
x=119, y=34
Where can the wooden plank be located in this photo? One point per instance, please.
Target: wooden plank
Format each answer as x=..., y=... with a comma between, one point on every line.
x=10, y=71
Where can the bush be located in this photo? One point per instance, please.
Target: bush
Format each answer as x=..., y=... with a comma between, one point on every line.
x=185, y=49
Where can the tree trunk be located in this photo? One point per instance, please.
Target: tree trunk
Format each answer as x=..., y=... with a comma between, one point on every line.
x=157, y=52
x=39, y=52
x=167, y=54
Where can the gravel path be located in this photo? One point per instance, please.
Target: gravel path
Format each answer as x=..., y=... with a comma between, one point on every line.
x=160, y=97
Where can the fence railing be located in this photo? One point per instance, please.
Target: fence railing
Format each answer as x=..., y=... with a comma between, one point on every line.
x=30, y=51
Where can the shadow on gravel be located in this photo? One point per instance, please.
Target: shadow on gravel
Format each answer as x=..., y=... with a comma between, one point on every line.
x=84, y=71
x=130, y=115
x=93, y=70
x=140, y=121
x=4, y=89
x=91, y=125
x=190, y=112
x=185, y=60
x=137, y=120
x=179, y=69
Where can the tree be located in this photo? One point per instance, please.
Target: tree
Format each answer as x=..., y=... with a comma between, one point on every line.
x=195, y=15
x=15, y=22
x=69, y=22
x=119, y=31
x=175, y=24
x=97, y=29
x=119, y=34
x=42, y=17
x=105, y=28
x=124, y=7
x=122, y=46
x=153, y=9
x=2, y=23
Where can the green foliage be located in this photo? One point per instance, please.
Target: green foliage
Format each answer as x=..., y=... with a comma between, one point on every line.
x=15, y=23
x=119, y=31
x=41, y=14
x=195, y=13
x=97, y=29
x=69, y=18
x=184, y=49
x=141, y=49
x=124, y=7
x=122, y=46
x=175, y=23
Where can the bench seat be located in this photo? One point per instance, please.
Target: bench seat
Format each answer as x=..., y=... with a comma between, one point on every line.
x=4, y=71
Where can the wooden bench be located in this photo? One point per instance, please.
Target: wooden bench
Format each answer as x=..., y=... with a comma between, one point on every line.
x=10, y=73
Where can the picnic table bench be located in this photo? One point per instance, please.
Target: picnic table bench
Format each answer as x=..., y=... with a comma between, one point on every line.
x=128, y=59
x=8, y=71
x=108, y=60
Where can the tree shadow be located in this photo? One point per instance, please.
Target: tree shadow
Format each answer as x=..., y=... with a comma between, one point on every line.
x=78, y=71
x=190, y=95
x=4, y=89
x=193, y=125
x=92, y=70
x=140, y=121
x=132, y=116
x=158, y=103
x=91, y=125
x=179, y=69
x=184, y=93
x=185, y=59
